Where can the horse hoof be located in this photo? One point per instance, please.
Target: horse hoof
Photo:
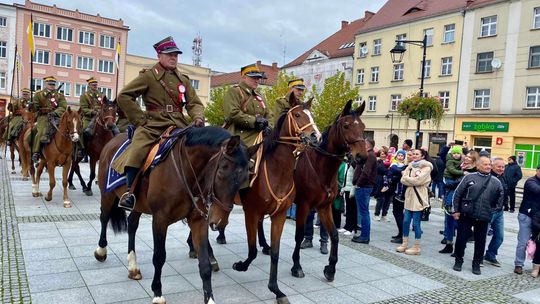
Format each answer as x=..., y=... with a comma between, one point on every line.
x=159, y=300
x=88, y=193
x=192, y=254
x=13, y=172
x=210, y=301
x=36, y=194
x=283, y=300
x=67, y=204
x=71, y=187
x=99, y=257
x=25, y=179
x=239, y=266
x=329, y=274
x=266, y=250
x=136, y=275
x=215, y=266
x=297, y=273
x=221, y=240
x=49, y=198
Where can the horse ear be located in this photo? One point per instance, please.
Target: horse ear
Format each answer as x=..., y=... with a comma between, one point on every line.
x=253, y=149
x=347, y=108
x=232, y=144
x=308, y=104
x=69, y=109
x=361, y=109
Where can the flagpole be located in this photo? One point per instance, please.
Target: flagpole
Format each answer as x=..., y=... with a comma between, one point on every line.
x=31, y=63
x=117, y=55
x=11, y=98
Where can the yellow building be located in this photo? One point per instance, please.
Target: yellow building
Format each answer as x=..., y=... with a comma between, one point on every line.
x=384, y=84
x=499, y=82
x=199, y=76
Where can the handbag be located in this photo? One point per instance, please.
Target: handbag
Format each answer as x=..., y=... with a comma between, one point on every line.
x=467, y=204
x=531, y=249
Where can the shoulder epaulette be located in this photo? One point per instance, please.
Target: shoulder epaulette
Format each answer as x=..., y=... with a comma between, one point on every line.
x=142, y=71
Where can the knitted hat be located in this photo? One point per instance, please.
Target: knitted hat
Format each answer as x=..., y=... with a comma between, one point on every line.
x=401, y=152
x=456, y=150
x=513, y=157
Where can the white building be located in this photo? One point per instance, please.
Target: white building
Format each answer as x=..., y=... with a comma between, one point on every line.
x=7, y=53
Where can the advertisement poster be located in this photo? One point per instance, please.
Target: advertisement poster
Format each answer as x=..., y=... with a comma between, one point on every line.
x=521, y=158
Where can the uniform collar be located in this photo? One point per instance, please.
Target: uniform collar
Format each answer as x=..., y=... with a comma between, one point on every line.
x=247, y=88
x=158, y=71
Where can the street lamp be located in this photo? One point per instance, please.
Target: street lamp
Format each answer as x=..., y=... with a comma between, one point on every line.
x=397, y=55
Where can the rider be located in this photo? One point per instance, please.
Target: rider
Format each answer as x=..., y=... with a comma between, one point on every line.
x=49, y=104
x=296, y=89
x=246, y=113
x=165, y=92
x=17, y=107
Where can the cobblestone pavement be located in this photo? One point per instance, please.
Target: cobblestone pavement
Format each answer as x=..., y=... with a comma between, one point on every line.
x=47, y=257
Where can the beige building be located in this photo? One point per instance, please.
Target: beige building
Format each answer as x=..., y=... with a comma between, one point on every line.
x=498, y=105
x=384, y=84
x=199, y=76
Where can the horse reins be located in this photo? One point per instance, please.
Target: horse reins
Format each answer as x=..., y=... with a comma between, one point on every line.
x=65, y=134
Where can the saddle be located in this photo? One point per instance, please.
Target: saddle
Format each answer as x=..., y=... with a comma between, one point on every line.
x=51, y=128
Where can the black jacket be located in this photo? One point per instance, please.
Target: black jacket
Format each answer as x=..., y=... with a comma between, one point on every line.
x=439, y=164
x=512, y=173
x=365, y=171
x=379, y=181
x=531, y=195
x=504, y=184
x=490, y=199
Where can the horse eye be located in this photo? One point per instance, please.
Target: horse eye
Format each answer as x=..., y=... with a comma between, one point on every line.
x=296, y=115
x=346, y=126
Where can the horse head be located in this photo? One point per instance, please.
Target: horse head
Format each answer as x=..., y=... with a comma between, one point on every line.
x=350, y=130
x=107, y=114
x=70, y=124
x=299, y=124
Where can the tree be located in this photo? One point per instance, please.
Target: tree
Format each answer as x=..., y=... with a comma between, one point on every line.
x=214, y=109
x=330, y=102
x=422, y=108
x=280, y=89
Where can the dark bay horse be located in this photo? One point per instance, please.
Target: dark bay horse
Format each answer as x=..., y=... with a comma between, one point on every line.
x=273, y=191
x=23, y=146
x=319, y=165
x=58, y=153
x=103, y=133
x=197, y=181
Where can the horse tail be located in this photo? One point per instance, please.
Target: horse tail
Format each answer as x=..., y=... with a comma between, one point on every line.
x=118, y=218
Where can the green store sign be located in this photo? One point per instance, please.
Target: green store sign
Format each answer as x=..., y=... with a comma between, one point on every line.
x=485, y=126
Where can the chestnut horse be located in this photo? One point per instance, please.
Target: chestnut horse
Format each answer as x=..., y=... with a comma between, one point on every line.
x=197, y=181
x=57, y=153
x=273, y=190
x=23, y=146
x=3, y=128
x=103, y=133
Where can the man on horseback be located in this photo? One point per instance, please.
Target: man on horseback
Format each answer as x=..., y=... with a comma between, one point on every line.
x=48, y=104
x=296, y=88
x=165, y=92
x=17, y=107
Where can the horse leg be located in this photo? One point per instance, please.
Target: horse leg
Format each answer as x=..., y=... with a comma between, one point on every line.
x=70, y=178
x=278, y=221
x=101, y=252
x=251, y=230
x=134, y=272
x=213, y=260
x=92, y=176
x=65, y=170
x=12, y=152
x=189, y=241
x=77, y=171
x=302, y=211
x=262, y=239
x=52, y=181
x=325, y=214
x=36, y=175
x=199, y=227
x=221, y=237
x=159, y=229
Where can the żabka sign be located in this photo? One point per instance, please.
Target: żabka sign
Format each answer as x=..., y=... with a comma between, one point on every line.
x=485, y=126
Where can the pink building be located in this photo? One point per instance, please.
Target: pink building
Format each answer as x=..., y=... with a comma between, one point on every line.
x=72, y=46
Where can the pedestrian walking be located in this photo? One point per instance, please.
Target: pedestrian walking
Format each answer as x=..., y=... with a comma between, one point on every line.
x=513, y=175
x=497, y=219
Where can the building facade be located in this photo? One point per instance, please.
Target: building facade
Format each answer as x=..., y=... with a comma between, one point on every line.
x=271, y=72
x=7, y=54
x=384, y=84
x=499, y=87
x=72, y=46
x=199, y=76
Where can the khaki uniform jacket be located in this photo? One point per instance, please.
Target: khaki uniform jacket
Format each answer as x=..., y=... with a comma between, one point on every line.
x=17, y=108
x=90, y=102
x=45, y=101
x=151, y=124
x=283, y=104
x=242, y=118
x=418, y=176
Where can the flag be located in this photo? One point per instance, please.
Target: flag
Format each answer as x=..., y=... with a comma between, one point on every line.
x=30, y=34
x=117, y=56
x=20, y=66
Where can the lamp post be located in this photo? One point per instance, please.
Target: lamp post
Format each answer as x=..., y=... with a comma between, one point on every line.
x=397, y=56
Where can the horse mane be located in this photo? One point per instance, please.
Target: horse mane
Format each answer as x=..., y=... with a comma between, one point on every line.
x=214, y=137
x=270, y=141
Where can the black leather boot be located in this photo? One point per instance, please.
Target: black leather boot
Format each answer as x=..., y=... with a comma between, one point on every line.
x=449, y=248
x=127, y=201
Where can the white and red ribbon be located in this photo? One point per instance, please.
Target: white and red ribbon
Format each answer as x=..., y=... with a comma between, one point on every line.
x=260, y=100
x=182, y=94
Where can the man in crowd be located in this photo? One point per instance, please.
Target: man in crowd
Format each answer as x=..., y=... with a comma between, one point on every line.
x=497, y=220
x=364, y=179
x=513, y=174
x=407, y=145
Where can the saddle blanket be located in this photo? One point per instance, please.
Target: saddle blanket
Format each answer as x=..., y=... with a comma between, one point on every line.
x=115, y=179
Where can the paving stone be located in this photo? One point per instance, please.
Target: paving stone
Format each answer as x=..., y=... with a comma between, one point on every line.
x=117, y=292
x=50, y=266
x=170, y=284
x=74, y=295
x=333, y=296
x=55, y=281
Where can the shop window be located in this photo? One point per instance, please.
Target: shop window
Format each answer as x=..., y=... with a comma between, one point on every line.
x=527, y=156
x=369, y=134
x=482, y=144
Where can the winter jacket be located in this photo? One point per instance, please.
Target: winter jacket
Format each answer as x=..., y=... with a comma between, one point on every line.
x=453, y=168
x=490, y=199
x=531, y=193
x=366, y=171
x=502, y=179
x=338, y=201
x=440, y=169
x=444, y=153
x=417, y=175
x=379, y=180
x=393, y=176
x=349, y=173
x=512, y=173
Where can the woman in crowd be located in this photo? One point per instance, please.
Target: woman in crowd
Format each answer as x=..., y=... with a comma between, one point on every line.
x=398, y=190
x=383, y=199
x=351, y=218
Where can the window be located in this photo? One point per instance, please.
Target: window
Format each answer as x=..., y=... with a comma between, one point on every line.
x=449, y=33
x=427, y=68
x=3, y=21
x=107, y=92
x=64, y=87
x=394, y=102
x=429, y=34
x=481, y=99
x=377, y=47
x=401, y=37
x=3, y=83
x=80, y=89
x=375, y=74
x=482, y=144
x=362, y=50
x=42, y=30
x=106, y=41
x=444, y=98
x=63, y=60
x=360, y=76
x=489, y=26
x=3, y=49
x=483, y=62
x=533, y=97
x=536, y=19
x=194, y=83
x=534, y=57
x=446, y=66
x=372, y=105
x=37, y=84
x=42, y=57
x=64, y=34
x=86, y=38
x=106, y=66
x=398, y=71
x=85, y=63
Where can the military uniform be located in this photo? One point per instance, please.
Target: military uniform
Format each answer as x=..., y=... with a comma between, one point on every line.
x=45, y=102
x=122, y=123
x=90, y=104
x=283, y=103
x=18, y=106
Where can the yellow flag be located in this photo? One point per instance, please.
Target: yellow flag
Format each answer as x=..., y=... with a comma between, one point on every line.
x=117, y=57
x=30, y=33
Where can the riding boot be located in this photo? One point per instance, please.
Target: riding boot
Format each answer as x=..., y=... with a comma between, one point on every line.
x=115, y=131
x=127, y=201
x=89, y=131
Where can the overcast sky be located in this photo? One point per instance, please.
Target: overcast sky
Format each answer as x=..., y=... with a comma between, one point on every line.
x=234, y=32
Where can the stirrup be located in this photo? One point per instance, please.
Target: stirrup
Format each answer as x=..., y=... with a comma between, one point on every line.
x=127, y=197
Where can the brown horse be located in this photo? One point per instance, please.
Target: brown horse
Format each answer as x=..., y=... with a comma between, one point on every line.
x=273, y=191
x=197, y=181
x=103, y=132
x=23, y=146
x=58, y=153
x=3, y=128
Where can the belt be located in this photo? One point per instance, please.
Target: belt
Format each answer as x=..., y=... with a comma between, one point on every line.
x=167, y=108
x=46, y=110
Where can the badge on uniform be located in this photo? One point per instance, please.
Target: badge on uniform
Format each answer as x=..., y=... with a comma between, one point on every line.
x=260, y=100
x=182, y=94
x=53, y=102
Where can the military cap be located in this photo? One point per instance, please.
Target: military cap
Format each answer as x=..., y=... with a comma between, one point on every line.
x=91, y=80
x=167, y=46
x=25, y=90
x=297, y=83
x=48, y=79
x=252, y=70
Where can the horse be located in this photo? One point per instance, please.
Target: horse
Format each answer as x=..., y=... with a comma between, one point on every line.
x=103, y=133
x=58, y=153
x=3, y=128
x=23, y=146
x=273, y=190
x=197, y=181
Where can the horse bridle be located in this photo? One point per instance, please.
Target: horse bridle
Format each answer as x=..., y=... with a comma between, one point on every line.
x=101, y=120
x=294, y=130
x=65, y=133
x=347, y=144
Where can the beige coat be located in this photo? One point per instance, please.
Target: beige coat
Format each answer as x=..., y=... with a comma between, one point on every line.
x=417, y=176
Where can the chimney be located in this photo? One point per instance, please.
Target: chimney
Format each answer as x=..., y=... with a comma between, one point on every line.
x=274, y=66
x=469, y=2
x=258, y=62
x=368, y=14
x=344, y=24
